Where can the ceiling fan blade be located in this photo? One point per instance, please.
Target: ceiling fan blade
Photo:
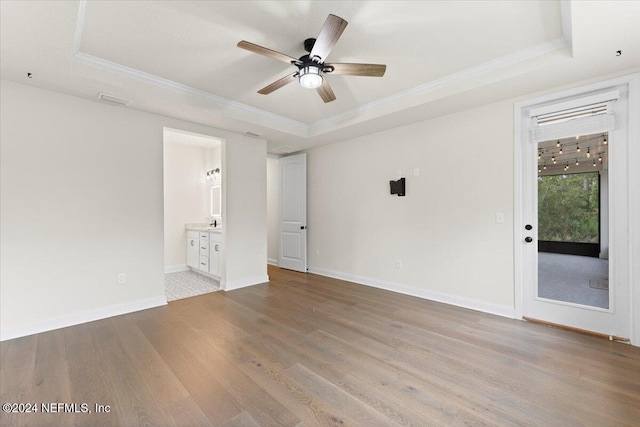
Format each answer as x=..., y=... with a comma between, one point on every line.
x=325, y=92
x=252, y=47
x=329, y=35
x=278, y=84
x=368, y=70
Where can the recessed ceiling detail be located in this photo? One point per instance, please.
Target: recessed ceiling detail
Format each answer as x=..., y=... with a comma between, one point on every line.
x=180, y=60
x=419, y=66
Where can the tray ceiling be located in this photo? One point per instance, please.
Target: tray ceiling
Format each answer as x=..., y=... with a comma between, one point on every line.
x=180, y=58
x=194, y=44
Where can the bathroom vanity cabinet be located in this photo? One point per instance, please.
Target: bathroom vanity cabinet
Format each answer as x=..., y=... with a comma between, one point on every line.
x=204, y=250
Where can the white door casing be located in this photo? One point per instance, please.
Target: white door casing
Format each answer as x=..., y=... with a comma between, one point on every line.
x=292, y=233
x=622, y=317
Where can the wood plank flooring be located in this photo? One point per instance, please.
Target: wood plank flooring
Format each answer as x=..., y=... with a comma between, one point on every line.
x=305, y=350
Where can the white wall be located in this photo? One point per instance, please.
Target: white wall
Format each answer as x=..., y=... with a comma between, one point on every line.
x=273, y=180
x=444, y=229
x=244, y=212
x=81, y=200
x=186, y=195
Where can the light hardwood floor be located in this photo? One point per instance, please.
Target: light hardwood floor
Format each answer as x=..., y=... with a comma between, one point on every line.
x=307, y=350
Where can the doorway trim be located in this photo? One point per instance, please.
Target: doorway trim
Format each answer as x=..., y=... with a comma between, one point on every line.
x=632, y=82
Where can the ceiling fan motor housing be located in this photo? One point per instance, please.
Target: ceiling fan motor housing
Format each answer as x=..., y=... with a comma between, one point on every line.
x=306, y=61
x=308, y=44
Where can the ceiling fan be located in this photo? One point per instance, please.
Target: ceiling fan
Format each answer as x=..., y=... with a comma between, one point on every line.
x=312, y=67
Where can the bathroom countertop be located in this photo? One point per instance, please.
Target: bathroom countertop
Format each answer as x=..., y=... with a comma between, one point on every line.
x=203, y=227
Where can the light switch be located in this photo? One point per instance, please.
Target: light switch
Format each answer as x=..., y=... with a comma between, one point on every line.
x=499, y=217
x=416, y=171
x=398, y=174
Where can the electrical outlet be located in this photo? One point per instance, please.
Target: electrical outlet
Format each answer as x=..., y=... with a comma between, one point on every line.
x=122, y=278
x=398, y=263
x=416, y=171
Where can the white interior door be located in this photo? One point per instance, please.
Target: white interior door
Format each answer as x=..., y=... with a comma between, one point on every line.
x=615, y=319
x=293, y=212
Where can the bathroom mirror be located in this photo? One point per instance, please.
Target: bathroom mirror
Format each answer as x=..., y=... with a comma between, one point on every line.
x=216, y=201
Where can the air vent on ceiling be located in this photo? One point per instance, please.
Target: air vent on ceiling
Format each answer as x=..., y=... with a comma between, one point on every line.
x=113, y=100
x=255, y=135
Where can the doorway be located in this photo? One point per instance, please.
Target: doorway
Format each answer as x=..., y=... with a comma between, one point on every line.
x=192, y=195
x=573, y=248
x=594, y=111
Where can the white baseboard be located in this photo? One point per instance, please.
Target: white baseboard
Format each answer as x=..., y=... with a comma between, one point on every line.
x=176, y=268
x=272, y=261
x=66, y=320
x=243, y=283
x=473, y=304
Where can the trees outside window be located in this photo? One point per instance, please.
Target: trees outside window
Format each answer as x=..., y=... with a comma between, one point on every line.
x=568, y=208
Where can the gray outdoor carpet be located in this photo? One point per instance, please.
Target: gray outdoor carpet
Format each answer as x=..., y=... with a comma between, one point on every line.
x=567, y=277
x=185, y=284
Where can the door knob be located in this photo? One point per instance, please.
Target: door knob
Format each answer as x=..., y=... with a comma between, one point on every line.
x=528, y=239
x=528, y=227
x=302, y=227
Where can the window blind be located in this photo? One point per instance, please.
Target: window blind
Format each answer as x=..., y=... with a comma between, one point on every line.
x=594, y=114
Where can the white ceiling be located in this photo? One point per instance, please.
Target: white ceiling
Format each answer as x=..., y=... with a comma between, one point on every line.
x=180, y=58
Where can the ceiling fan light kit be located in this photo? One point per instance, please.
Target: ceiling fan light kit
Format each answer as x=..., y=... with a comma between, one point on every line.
x=310, y=76
x=312, y=67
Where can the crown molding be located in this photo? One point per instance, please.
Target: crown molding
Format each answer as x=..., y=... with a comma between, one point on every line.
x=468, y=74
x=79, y=57
x=77, y=36
x=103, y=64
x=565, y=41
x=567, y=29
x=342, y=119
